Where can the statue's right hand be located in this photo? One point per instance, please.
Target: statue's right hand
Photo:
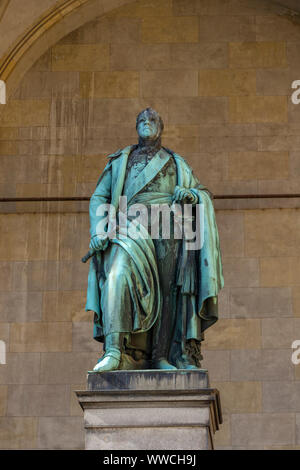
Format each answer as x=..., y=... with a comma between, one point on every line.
x=98, y=243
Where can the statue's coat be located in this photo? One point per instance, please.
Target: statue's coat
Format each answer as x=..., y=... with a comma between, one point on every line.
x=199, y=273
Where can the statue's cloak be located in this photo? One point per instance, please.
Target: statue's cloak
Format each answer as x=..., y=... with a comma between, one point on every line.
x=199, y=273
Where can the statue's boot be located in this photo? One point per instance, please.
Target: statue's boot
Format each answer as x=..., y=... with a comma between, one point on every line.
x=160, y=351
x=163, y=364
x=112, y=357
x=184, y=362
x=159, y=356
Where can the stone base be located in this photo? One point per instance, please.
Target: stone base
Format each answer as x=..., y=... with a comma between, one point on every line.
x=150, y=410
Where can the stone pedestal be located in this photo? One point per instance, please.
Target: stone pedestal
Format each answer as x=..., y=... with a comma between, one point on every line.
x=150, y=410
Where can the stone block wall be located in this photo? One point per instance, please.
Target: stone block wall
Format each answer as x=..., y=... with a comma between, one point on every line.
x=220, y=74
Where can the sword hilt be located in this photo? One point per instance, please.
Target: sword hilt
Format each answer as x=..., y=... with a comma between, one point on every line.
x=87, y=256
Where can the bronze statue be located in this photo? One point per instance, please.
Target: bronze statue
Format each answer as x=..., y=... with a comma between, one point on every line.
x=153, y=292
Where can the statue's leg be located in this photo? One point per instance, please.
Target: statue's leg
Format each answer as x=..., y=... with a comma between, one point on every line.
x=186, y=349
x=163, y=330
x=113, y=346
x=117, y=287
x=113, y=307
x=115, y=291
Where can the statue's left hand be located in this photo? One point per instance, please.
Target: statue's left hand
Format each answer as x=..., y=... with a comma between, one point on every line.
x=184, y=195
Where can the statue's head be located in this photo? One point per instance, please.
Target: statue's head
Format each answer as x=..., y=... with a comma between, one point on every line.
x=149, y=125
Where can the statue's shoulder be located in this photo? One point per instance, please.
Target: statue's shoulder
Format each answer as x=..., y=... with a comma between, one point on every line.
x=113, y=157
x=115, y=154
x=120, y=152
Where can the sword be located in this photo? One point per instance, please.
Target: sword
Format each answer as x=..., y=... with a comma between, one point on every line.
x=92, y=252
x=87, y=256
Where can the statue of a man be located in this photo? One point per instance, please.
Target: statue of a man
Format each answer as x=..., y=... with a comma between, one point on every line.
x=153, y=295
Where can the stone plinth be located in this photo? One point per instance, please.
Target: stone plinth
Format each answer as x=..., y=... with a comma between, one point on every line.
x=150, y=410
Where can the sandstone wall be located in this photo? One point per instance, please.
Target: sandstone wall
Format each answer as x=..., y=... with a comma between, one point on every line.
x=220, y=74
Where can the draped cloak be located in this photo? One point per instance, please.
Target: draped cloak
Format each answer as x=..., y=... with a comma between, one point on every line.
x=199, y=272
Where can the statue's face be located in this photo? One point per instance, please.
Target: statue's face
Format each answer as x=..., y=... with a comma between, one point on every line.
x=148, y=126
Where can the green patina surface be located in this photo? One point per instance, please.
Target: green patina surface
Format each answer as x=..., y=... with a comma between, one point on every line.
x=157, y=294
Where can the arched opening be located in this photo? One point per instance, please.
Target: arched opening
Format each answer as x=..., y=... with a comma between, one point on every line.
x=54, y=24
